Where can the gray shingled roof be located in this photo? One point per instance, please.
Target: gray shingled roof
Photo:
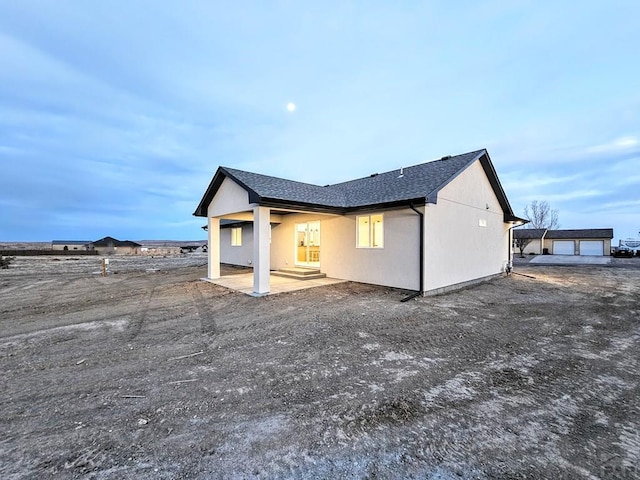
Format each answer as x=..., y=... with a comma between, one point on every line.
x=529, y=233
x=110, y=241
x=286, y=190
x=416, y=183
x=581, y=233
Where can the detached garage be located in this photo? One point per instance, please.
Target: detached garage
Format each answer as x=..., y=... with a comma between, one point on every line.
x=594, y=241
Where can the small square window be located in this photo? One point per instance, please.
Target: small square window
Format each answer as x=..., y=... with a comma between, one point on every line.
x=236, y=237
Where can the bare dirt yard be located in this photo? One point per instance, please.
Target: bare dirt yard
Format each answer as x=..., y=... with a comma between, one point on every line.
x=150, y=373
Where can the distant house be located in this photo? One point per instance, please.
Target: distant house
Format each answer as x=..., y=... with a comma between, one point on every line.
x=427, y=228
x=159, y=250
x=113, y=246
x=71, y=245
x=593, y=241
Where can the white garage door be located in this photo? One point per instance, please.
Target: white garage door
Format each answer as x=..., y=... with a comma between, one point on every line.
x=563, y=247
x=591, y=247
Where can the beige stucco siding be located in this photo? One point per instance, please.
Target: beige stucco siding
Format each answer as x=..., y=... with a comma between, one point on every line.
x=457, y=248
x=237, y=255
x=230, y=198
x=395, y=265
x=533, y=247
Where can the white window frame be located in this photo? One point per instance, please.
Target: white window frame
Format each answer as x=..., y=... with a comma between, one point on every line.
x=375, y=237
x=236, y=236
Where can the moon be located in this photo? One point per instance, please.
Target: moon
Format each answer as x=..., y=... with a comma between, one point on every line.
x=291, y=106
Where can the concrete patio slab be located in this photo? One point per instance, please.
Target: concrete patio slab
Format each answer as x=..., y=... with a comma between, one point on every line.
x=244, y=283
x=569, y=260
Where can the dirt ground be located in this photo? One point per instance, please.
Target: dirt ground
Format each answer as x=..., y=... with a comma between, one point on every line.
x=150, y=373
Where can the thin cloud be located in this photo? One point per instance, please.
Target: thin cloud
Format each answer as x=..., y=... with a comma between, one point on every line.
x=622, y=144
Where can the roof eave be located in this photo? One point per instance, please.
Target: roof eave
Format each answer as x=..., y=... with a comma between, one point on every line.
x=510, y=217
x=294, y=205
x=490, y=171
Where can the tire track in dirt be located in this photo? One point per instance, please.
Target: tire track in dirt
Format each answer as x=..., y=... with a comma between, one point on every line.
x=207, y=319
x=139, y=319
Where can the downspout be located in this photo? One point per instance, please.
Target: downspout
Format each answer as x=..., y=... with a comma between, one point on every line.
x=509, y=266
x=421, y=291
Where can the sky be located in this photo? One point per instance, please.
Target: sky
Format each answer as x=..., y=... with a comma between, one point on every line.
x=115, y=115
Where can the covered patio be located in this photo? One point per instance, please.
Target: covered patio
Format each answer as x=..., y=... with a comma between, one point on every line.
x=244, y=283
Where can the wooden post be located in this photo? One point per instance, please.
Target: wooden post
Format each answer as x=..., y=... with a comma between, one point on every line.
x=104, y=267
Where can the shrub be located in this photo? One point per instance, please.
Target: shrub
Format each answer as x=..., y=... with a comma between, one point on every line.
x=5, y=261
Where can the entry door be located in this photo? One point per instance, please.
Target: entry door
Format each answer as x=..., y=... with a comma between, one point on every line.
x=308, y=244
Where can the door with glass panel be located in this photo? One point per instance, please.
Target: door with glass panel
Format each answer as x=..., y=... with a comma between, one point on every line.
x=307, y=244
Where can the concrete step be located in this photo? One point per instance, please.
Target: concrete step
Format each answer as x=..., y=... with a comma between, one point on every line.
x=300, y=270
x=299, y=273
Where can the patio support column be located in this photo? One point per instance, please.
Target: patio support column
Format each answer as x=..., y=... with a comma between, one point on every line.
x=261, y=250
x=213, y=230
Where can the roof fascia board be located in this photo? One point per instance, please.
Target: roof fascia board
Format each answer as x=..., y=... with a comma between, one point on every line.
x=389, y=205
x=509, y=217
x=490, y=171
x=304, y=207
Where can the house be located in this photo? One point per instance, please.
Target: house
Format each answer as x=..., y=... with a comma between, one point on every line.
x=112, y=246
x=428, y=228
x=593, y=241
x=159, y=250
x=70, y=245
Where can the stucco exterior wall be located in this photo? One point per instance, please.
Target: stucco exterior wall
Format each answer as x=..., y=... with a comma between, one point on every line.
x=230, y=198
x=237, y=255
x=394, y=265
x=465, y=240
x=533, y=247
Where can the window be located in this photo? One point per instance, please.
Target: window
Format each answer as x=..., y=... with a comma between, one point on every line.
x=236, y=237
x=370, y=232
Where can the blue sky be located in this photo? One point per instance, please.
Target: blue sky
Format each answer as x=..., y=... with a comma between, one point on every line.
x=115, y=115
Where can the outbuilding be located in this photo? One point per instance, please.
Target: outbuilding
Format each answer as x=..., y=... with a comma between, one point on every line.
x=71, y=245
x=591, y=241
x=594, y=241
